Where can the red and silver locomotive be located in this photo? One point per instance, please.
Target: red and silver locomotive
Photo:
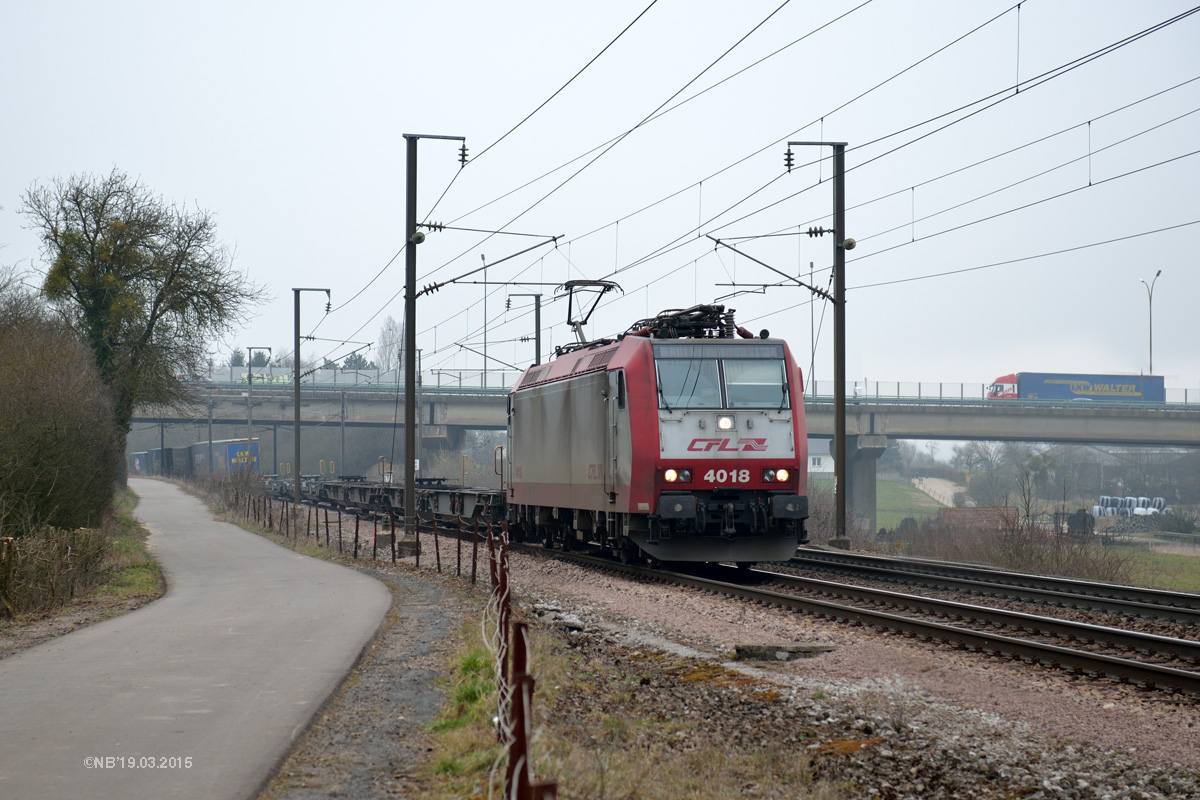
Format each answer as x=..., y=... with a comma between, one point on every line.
x=681, y=440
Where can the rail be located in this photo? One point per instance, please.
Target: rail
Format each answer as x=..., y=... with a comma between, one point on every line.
x=1073, y=661
x=978, y=584
x=1081, y=589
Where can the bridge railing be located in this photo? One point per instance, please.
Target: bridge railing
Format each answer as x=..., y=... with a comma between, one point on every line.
x=921, y=391
x=465, y=381
x=452, y=380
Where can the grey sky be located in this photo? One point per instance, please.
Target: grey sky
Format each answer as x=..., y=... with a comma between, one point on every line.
x=286, y=119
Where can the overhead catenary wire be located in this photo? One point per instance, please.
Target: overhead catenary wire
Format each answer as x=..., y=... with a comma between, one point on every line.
x=994, y=264
x=699, y=227
x=1091, y=182
x=1115, y=177
x=612, y=142
x=608, y=147
x=1026, y=84
x=988, y=159
x=493, y=144
x=1003, y=95
x=663, y=113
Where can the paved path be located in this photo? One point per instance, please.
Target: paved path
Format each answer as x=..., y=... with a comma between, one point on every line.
x=225, y=670
x=939, y=489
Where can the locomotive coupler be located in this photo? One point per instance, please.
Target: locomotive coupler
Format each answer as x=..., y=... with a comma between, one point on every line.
x=727, y=526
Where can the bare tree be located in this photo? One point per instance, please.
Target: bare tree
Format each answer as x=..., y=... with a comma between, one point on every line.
x=144, y=282
x=391, y=344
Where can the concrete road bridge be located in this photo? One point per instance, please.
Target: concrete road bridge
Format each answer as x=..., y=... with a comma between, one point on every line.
x=445, y=412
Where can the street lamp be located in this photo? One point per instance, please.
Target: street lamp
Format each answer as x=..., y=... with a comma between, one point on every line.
x=1150, y=294
x=250, y=394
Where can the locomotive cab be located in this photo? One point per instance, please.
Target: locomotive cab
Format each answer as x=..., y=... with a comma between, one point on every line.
x=729, y=470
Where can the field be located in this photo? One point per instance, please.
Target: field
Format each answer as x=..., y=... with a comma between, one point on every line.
x=896, y=500
x=1176, y=568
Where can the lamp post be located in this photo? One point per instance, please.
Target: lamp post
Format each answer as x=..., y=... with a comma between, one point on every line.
x=296, y=498
x=1150, y=294
x=250, y=393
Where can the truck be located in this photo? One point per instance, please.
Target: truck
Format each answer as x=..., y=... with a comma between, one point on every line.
x=1063, y=386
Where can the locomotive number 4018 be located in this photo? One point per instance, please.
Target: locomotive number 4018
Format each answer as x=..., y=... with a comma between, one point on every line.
x=727, y=476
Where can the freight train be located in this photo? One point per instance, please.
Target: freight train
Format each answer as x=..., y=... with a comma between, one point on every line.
x=682, y=439
x=1065, y=386
x=221, y=457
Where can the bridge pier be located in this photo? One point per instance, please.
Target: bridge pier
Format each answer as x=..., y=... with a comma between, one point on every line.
x=862, y=456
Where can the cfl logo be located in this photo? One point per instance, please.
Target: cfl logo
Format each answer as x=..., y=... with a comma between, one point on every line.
x=726, y=446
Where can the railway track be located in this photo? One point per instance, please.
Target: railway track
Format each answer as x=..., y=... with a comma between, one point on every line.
x=1130, y=601
x=1004, y=633
x=867, y=608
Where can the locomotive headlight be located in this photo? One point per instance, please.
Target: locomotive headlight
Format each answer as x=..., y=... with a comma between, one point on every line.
x=780, y=475
x=725, y=422
x=677, y=475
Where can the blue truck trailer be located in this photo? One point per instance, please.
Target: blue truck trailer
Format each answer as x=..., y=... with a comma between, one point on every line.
x=1071, y=386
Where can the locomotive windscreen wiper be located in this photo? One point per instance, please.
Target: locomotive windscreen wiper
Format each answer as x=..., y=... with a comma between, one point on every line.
x=663, y=395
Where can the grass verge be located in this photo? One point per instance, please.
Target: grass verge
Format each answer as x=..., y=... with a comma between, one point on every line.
x=128, y=572
x=898, y=500
x=1162, y=569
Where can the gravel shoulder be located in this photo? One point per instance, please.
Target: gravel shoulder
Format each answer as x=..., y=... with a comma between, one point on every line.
x=371, y=739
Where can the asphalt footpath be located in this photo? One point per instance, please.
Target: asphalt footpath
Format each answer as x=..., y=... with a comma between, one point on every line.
x=200, y=693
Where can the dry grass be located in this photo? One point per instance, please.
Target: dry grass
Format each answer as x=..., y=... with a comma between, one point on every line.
x=48, y=568
x=598, y=735
x=1024, y=551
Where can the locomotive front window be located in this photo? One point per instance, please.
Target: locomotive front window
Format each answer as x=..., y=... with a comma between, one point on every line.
x=689, y=383
x=755, y=383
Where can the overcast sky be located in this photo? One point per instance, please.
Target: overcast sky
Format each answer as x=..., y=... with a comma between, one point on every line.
x=998, y=230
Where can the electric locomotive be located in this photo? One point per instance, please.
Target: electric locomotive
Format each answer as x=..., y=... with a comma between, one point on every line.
x=681, y=440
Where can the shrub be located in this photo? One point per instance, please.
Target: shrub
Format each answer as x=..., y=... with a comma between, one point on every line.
x=59, y=448
x=46, y=567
